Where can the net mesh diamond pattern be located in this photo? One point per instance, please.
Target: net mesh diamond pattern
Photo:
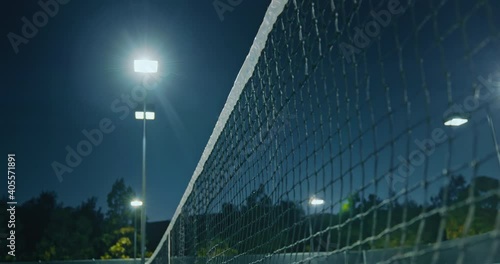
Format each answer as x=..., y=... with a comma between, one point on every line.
x=340, y=149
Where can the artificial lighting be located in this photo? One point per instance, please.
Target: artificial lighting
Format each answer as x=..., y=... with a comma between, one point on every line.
x=146, y=112
x=150, y=115
x=456, y=120
x=140, y=115
x=316, y=201
x=145, y=66
x=136, y=203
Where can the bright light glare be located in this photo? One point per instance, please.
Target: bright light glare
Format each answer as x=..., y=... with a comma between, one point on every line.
x=136, y=203
x=145, y=66
x=140, y=115
x=456, y=121
x=150, y=115
x=316, y=201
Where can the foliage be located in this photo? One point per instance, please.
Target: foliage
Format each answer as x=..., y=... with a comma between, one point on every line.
x=482, y=218
x=47, y=230
x=119, y=210
x=267, y=226
x=123, y=247
x=119, y=218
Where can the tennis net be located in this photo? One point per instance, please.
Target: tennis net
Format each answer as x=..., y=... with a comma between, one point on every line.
x=357, y=131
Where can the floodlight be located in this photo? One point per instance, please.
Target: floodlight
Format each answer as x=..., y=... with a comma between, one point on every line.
x=456, y=120
x=136, y=203
x=145, y=66
x=316, y=201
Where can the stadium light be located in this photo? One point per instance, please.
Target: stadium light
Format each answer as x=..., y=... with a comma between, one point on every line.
x=135, y=203
x=456, y=120
x=146, y=113
x=146, y=66
x=316, y=201
x=140, y=115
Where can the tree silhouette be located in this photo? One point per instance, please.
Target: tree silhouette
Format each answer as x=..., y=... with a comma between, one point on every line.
x=465, y=219
x=451, y=192
x=118, y=228
x=119, y=211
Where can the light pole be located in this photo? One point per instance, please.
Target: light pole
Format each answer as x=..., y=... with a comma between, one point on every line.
x=144, y=66
x=313, y=202
x=135, y=203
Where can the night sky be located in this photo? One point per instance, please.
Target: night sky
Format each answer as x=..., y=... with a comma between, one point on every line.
x=78, y=70
x=66, y=78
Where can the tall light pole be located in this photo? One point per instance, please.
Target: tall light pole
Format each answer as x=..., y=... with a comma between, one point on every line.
x=146, y=67
x=135, y=204
x=313, y=202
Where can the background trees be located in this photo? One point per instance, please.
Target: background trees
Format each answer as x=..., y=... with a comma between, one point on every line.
x=464, y=219
x=48, y=230
x=261, y=225
x=72, y=233
x=118, y=235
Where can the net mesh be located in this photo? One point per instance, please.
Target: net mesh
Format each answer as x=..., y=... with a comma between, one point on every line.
x=345, y=144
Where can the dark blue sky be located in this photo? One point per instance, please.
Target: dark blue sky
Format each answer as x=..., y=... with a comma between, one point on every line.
x=68, y=76
x=65, y=79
